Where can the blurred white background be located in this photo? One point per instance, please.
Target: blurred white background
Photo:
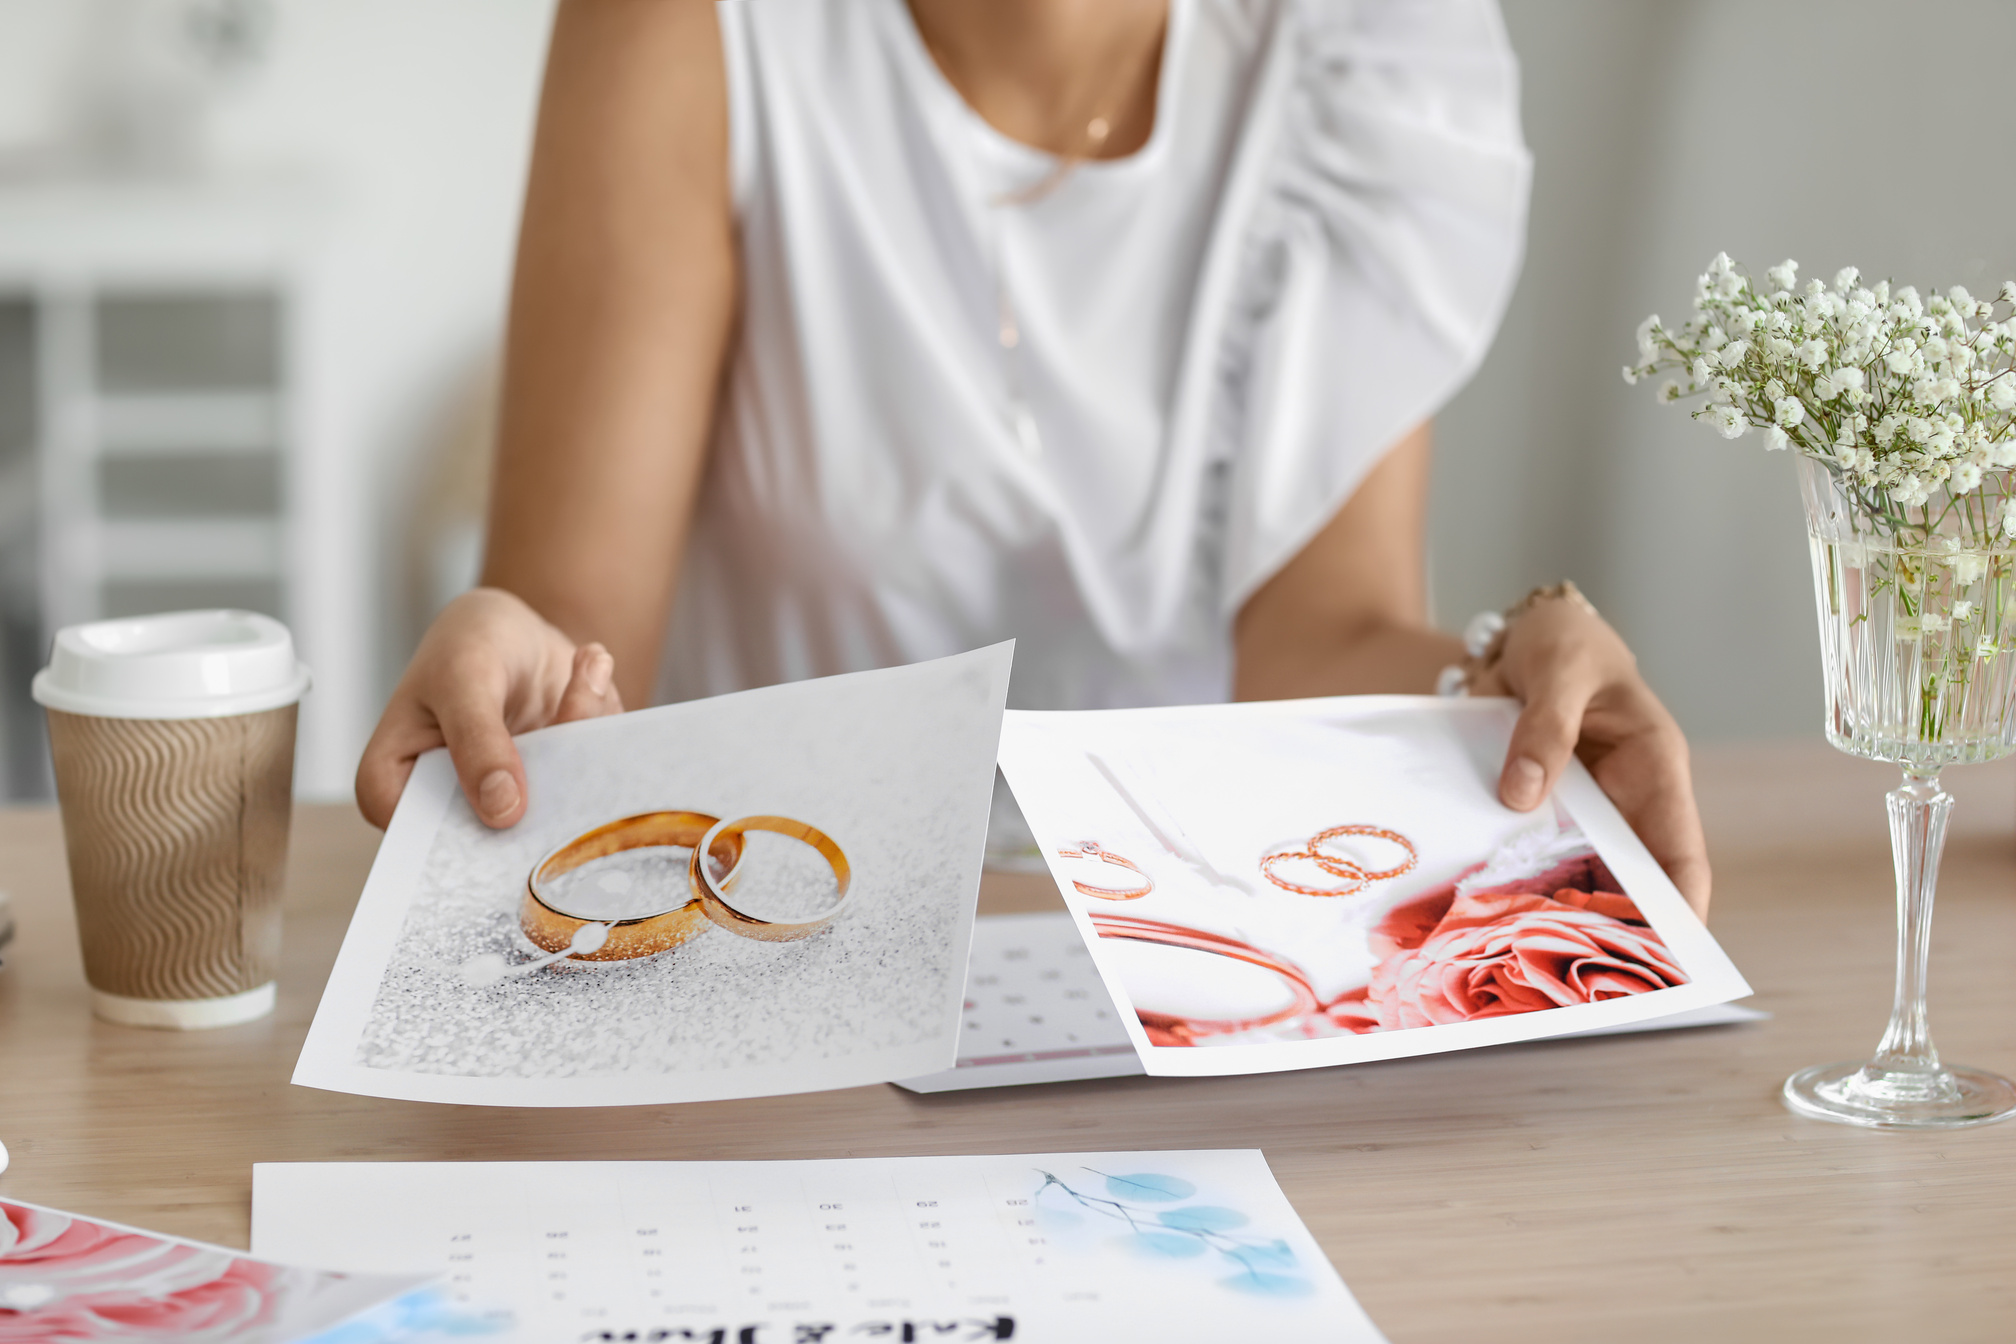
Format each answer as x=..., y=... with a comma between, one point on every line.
x=254, y=254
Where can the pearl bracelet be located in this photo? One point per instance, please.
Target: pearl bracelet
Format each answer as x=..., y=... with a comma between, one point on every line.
x=1484, y=636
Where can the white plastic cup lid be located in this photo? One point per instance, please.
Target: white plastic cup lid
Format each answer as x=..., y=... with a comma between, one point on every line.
x=181, y=665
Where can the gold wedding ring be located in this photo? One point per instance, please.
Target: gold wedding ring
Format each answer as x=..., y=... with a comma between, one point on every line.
x=712, y=893
x=553, y=928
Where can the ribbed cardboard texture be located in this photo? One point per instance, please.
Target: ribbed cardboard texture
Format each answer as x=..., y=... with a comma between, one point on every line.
x=177, y=835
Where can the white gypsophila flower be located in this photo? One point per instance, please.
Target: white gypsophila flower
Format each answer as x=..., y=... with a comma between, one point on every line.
x=1906, y=628
x=1984, y=647
x=2009, y=516
x=1962, y=611
x=1907, y=399
x=1783, y=275
x=1728, y=421
x=1932, y=623
x=1630, y=374
x=1648, y=346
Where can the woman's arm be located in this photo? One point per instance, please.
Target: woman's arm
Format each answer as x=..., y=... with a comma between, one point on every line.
x=622, y=307
x=1348, y=616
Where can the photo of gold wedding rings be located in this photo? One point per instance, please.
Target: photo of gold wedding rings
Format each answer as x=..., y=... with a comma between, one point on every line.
x=704, y=900
x=712, y=892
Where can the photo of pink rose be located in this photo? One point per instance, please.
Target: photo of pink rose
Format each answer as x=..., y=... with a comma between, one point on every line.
x=1458, y=953
x=71, y=1280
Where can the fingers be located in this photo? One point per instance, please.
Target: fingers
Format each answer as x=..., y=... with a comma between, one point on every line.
x=1646, y=774
x=591, y=686
x=388, y=759
x=1542, y=741
x=471, y=714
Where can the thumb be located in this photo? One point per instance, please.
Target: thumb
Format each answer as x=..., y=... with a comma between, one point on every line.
x=591, y=686
x=1542, y=741
x=486, y=759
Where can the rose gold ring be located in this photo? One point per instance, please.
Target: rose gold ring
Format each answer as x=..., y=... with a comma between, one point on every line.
x=1345, y=868
x=1218, y=945
x=712, y=892
x=1091, y=849
x=550, y=926
x=1350, y=872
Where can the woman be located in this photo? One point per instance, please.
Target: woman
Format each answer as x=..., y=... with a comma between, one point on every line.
x=883, y=330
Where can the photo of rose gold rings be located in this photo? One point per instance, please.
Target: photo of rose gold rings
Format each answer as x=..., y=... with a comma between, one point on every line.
x=550, y=925
x=1354, y=876
x=1091, y=849
x=1302, y=994
x=712, y=891
x=1339, y=866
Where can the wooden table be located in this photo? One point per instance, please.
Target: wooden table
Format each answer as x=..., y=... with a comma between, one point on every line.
x=1644, y=1188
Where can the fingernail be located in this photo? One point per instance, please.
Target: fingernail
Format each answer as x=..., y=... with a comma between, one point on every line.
x=601, y=668
x=1524, y=780
x=498, y=793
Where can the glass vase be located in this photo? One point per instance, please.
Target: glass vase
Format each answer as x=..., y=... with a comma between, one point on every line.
x=1917, y=613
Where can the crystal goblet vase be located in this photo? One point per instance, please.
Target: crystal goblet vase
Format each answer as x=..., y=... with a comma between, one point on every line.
x=1918, y=646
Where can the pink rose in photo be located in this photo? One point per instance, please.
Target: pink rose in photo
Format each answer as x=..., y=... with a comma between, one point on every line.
x=1547, y=941
x=102, y=1283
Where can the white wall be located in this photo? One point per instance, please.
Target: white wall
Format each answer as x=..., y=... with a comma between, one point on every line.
x=1863, y=132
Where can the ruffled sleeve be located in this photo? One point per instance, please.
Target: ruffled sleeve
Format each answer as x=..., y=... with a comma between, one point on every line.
x=1379, y=251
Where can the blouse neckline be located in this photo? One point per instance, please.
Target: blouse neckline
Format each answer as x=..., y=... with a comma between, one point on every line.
x=909, y=43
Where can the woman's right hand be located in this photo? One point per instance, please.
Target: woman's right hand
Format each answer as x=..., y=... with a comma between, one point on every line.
x=489, y=667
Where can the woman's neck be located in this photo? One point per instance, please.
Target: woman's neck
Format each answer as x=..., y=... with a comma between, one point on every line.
x=1076, y=78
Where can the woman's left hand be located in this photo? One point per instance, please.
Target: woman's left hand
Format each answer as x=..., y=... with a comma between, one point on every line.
x=1582, y=695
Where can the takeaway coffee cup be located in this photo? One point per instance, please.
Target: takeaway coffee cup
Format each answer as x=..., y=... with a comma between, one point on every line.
x=173, y=739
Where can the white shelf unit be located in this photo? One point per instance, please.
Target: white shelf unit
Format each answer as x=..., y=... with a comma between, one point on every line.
x=183, y=456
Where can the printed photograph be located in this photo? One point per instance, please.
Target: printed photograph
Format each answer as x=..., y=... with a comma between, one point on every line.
x=66, y=1279
x=1279, y=878
x=822, y=929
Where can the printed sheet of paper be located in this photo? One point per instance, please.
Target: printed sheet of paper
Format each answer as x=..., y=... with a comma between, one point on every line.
x=67, y=1278
x=1053, y=1248
x=438, y=994
x=1036, y=1011
x=1296, y=884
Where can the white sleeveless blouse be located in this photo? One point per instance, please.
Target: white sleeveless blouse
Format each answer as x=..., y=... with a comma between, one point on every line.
x=1095, y=421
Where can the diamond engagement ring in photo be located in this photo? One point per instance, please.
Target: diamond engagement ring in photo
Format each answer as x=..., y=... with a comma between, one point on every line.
x=1091, y=849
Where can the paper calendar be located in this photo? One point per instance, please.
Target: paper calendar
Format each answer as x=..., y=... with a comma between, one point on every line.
x=1050, y=1248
